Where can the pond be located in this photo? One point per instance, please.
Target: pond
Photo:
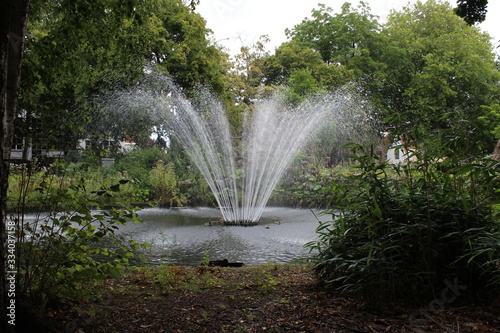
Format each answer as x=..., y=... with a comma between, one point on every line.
x=181, y=236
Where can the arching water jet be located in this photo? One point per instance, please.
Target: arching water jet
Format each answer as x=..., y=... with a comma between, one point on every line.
x=272, y=135
x=242, y=177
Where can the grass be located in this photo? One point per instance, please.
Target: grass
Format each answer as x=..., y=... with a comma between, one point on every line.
x=29, y=185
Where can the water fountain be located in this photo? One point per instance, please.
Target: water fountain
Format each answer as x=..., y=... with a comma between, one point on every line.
x=272, y=135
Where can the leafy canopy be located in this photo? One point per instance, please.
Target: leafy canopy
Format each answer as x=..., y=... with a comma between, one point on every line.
x=79, y=49
x=472, y=11
x=347, y=38
x=439, y=71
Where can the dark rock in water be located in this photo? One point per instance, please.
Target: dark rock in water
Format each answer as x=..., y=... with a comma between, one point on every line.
x=224, y=263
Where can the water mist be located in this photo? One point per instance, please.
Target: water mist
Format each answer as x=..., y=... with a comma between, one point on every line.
x=272, y=135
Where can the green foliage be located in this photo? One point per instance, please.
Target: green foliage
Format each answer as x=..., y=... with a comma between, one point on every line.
x=335, y=48
x=25, y=182
x=77, y=49
x=425, y=67
x=339, y=38
x=138, y=163
x=289, y=58
x=196, y=190
x=439, y=71
x=349, y=38
x=472, y=11
x=404, y=229
x=70, y=243
x=136, y=166
x=191, y=184
x=181, y=48
x=248, y=75
x=301, y=86
x=164, y=185
x=491, y=120
x=309, y=186
x=81, y=50
x=191, y=188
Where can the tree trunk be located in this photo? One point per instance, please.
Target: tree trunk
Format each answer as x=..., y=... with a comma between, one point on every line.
x=13, y=18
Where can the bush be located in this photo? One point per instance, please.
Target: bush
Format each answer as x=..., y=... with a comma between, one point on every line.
x=404, y=235
x=308, y=186
x=72, y=241
x=190, y=187
x=139, y=163
x=164, y=185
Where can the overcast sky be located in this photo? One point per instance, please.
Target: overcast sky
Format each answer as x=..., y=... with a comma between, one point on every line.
x=242, y=22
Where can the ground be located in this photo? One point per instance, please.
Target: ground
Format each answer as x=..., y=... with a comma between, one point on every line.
x=282, y=298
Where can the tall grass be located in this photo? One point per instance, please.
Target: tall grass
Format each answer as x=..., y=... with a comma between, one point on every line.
x=405, y=229
x=165, y=185
x=27, y=180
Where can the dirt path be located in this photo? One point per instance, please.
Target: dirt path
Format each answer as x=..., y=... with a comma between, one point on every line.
x=249, y=299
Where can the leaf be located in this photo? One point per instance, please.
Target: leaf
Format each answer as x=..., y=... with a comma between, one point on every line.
x=76, y=218
x=115, y=188
x=100, y=192
x=114, y=272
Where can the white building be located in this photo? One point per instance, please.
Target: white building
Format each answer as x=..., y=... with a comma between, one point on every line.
x=397, y=153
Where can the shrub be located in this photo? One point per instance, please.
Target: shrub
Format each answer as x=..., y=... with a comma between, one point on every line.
x=403, y=235
x=308, y=186
x=190, y=187
x=26, y=180
x=164, y=185
x=139, y=163
x=72, y=241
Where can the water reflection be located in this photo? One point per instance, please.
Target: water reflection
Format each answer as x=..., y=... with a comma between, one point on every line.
x=180, y=236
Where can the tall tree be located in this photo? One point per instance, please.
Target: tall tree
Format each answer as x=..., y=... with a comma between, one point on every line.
x=181, y=47
x=76, y=49
x=439, y=71
x=80, y=49
x=13, y=20
x=248, y=72
x=295, y=56
x=348, y=38
x=289, y=57
x=472, y=11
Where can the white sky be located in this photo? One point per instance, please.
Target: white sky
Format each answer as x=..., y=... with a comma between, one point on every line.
x=237, y=23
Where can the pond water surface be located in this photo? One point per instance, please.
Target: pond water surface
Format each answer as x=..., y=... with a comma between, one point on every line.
x=180, y=236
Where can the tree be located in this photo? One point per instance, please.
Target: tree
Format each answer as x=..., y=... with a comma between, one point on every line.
x=348, y=38
x=246, y=85
x=491, y=119
x=335, y=48
x=248, y=73
x=294, y=56
x=439, y=72
x=13, y=20
x=472, y=11
x=180, y=47
x=82, y=49
x=349, y=44
x=288, y=58
x=301, y=86
x=75, y=50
